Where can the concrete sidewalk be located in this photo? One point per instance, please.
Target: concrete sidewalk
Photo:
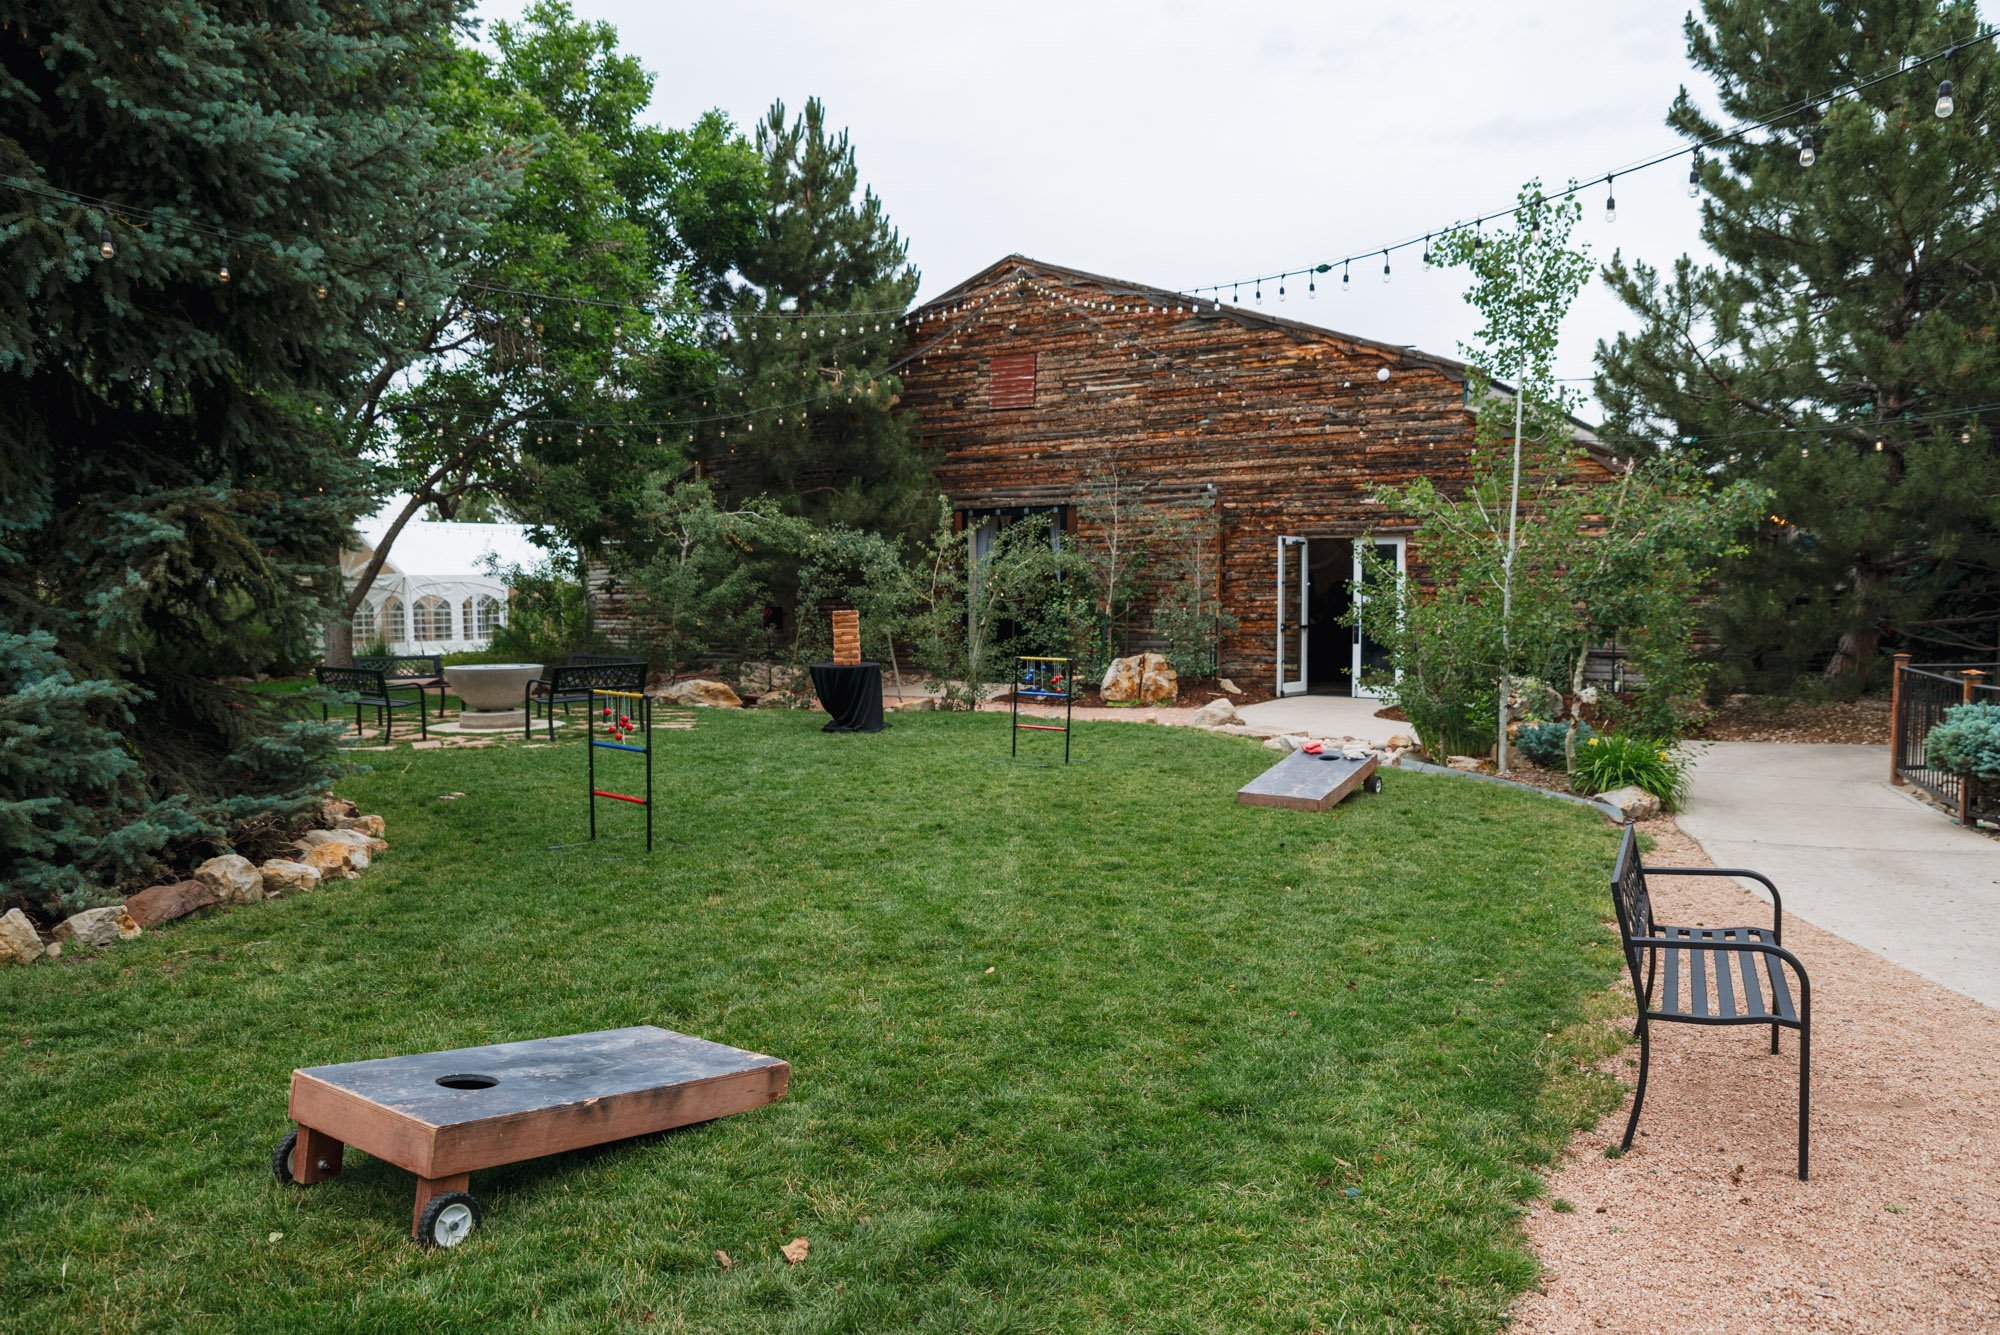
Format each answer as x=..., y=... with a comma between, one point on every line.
x=1855, y=855
x=1324, y=716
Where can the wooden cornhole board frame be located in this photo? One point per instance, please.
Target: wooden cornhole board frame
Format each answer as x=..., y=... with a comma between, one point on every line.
x=1306, y=783
x=549, y=1095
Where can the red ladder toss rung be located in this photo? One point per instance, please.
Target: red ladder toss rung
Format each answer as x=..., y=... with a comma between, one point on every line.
x=622, y=797
x=1041, y=727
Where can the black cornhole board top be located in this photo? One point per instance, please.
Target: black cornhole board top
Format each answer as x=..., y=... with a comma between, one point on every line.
x=551, y=1094
x=1307, y=783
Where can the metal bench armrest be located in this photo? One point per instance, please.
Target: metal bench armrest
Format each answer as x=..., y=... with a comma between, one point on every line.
x=1777, y=902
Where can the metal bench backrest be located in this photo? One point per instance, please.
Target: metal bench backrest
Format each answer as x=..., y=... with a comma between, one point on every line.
x=625, y=674
x=1633, y=901
x=598, y=660
x=369, y=683
x=403, y=665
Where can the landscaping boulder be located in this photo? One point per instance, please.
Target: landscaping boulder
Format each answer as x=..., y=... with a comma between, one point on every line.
x=18, y=938
x=916, y=705
x=283, y=877
x=164, y=903
x=99, y=927
x=703, y=693
x=1227, y=687
x=1215, y=714
x=233, y=878
x=1144, y=679
x=335, y=861
x=1533, y=698
x=334, y=808
x=1470, y=764
x=369, y=825
x=1634, y=802
x=361, y=839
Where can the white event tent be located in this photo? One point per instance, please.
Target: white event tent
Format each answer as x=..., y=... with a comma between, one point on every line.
x=437, y=593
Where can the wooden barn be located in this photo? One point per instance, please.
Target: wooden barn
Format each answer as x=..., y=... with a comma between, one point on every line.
x=1032, y=382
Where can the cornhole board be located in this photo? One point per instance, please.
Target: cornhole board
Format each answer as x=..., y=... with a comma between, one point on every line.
x=1309, y=783
x=445, y=1115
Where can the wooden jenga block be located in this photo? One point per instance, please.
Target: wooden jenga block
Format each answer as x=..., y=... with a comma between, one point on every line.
x=846, y=636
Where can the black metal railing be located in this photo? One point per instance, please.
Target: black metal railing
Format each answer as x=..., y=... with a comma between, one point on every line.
x=1922, y=694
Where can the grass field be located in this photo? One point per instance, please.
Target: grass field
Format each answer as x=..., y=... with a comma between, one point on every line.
x=1072, y=1049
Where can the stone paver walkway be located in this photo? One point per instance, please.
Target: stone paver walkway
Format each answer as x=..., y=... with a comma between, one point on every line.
x=1858, y=857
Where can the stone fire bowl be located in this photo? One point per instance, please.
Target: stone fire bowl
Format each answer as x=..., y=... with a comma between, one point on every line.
x=491, y=687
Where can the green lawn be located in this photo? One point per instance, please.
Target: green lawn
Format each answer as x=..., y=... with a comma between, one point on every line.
x=1072, y=1049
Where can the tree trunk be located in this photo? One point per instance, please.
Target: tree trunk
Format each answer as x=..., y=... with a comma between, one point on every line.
x=1854, y=654
x=340, y=642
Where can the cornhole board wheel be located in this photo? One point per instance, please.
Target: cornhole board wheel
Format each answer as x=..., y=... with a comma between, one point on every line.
x=1309, y=783
x=445, y=1115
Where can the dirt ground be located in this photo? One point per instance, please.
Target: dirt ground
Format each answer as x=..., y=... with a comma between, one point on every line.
x=1704, y=1227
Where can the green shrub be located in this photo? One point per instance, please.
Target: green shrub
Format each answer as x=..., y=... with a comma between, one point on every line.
x=1449, y=724
x=1968, y=741
x=1545, y=744
x=1618, y=760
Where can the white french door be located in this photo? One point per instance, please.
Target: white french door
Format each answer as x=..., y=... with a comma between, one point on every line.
x=1368, y=655
x=1292, y=588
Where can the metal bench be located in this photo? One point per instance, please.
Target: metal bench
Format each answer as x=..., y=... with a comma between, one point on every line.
x=1747, y=965
x=369, y=688
x=424, y=671
x=572, y=684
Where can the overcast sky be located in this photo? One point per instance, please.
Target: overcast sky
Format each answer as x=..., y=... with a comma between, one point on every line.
x=1182, y=143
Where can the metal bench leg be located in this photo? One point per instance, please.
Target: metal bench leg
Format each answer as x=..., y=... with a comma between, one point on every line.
x=357, y=720
x=1652, y=963
x=528, y=708
x=1639, y=1096
x=1805, y=1092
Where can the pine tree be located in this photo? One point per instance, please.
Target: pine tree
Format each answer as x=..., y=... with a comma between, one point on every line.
x=205, y=207
x=1843, y=351
x=804, y=407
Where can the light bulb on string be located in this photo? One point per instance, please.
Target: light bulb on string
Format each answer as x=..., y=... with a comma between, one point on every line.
x=1385, y=266
x=1312, y=291
x=1535, y=219
x=1344, y=277
x=320, y=291
x=1427, y=250
x=575, y=325
x=1694, y=176
x=1807, y=155
x=1610, y=200
x=1945, y=102
x=1281, y=289
x=1478, y=235
x=105, y=249
x=401, y=302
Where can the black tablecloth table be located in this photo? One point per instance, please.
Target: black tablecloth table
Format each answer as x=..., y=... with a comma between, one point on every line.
x=852, y=693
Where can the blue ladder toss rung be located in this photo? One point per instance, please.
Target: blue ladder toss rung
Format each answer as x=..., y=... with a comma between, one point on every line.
x=620, y=746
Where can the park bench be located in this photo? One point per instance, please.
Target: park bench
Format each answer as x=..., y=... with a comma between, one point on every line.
x=423, y=671
x=1755, y=991
x=369, y=688
x=572, y=683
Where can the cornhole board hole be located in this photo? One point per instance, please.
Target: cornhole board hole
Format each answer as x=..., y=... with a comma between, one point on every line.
x=1309, y=783
x=446, y=1115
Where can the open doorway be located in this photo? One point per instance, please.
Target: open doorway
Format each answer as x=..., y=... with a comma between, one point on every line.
x=1319, y=582
x=1329, y=597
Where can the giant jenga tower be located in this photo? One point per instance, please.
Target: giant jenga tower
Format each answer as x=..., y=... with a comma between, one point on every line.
x=846, y=637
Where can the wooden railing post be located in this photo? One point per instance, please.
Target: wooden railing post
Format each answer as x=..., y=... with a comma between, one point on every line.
x=1896, y=718
x=1969, y=683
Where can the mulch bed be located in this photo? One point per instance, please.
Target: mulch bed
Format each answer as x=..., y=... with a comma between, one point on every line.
x=1752, y=718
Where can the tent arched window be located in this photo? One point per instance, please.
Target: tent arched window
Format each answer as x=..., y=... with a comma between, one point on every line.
x=432, y=615
x=390, y=624
x=364, y=624
x=482, y=616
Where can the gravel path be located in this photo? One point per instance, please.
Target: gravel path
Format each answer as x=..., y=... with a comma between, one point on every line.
x=1703, y=1227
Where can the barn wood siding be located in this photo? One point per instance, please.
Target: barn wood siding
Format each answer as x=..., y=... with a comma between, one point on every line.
x=1291, y=428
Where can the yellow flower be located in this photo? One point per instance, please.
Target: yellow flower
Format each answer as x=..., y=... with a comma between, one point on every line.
x=1593, y=741
x=1663, y=755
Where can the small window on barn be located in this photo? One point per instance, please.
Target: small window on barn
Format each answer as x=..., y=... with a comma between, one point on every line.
x=1012, y=380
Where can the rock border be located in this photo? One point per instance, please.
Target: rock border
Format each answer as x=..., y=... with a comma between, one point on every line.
x=1604, y=809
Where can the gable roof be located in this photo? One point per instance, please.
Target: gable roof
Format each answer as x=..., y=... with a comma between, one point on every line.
x=1254, y=319
x=1450, y=367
